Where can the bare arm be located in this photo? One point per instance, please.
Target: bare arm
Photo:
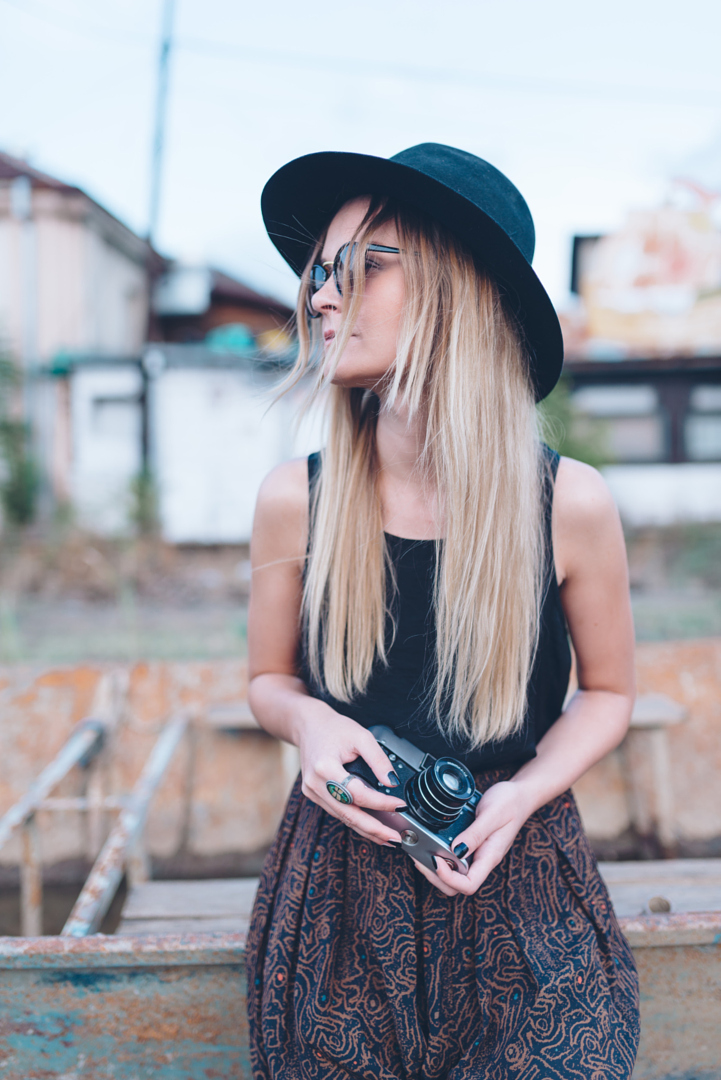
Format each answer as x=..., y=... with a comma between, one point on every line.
x=591, y=566
x=277, y=695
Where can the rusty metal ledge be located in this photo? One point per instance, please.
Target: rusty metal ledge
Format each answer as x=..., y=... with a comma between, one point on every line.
x=105, y=950
x=218, y=948
x=655, y=931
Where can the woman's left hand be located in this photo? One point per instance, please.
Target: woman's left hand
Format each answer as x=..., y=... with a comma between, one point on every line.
x=500, y=814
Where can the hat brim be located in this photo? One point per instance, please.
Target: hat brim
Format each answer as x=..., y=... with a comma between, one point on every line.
x=300, y=199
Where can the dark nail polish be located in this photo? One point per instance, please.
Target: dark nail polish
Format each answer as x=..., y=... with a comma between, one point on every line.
x=393, y=780
x=401, y=807
x=460, y=850
x=434, y=861
x=395, y=843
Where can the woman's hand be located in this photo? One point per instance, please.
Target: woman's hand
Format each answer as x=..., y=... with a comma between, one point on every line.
x=326, y=741
x=500, y=814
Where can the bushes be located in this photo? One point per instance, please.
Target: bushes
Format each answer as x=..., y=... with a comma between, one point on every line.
x=19, y=475
x=570, y=433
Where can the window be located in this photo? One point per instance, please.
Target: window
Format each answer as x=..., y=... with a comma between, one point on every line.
x=702, y=430
x=628, y=420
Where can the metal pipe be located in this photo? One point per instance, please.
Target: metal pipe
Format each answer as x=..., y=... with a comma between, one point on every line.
x=31, y=881
x=63, y=804
x=83, y=744
x=102, y=884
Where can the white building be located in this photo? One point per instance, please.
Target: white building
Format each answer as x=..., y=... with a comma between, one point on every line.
x=71, y=275
x=72, y=279
x=213, y=432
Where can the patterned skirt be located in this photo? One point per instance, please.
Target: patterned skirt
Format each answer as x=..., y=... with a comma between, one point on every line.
x=359, y=968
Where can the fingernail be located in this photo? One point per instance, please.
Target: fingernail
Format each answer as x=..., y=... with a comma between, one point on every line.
x=434, y=861
x=394, y=843
x=393, y=780
x=460, y=850
x=401, y=807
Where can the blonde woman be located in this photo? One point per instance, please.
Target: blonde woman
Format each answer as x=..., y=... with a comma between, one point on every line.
x=423, y=572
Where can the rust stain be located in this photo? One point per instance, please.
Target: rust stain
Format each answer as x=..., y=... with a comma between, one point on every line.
x=675, y=930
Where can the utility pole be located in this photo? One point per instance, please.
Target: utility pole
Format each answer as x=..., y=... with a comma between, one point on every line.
x=160, y=116
x=156, y=170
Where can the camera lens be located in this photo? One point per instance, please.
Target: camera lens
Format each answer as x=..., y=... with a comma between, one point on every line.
x=438, y=793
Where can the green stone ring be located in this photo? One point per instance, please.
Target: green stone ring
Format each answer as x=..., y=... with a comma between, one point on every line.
x=340, y=791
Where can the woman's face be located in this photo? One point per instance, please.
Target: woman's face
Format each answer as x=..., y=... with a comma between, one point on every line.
x=371, y=348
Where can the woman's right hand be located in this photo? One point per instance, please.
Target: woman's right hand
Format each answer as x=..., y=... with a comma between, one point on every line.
x=327, y=740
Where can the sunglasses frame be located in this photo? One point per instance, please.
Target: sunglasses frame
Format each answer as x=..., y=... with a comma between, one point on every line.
x=336, y=271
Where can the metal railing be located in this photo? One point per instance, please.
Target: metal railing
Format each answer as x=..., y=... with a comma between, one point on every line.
x=81, y=747
x=124, y=847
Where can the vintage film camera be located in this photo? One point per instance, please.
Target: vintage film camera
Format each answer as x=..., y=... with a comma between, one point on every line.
x=439, y=792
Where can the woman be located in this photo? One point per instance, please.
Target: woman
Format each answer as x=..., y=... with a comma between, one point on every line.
x=422, y=573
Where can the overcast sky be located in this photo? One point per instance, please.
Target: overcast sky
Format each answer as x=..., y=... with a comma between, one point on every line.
x=591, y=108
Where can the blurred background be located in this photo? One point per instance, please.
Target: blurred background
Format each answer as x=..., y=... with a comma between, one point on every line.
x=143, y=311
x=145, y=317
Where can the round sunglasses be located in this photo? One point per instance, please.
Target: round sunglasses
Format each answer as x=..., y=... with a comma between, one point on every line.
x=319, y=273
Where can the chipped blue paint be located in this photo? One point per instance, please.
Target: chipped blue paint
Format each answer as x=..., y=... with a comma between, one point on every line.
x=103, y=1008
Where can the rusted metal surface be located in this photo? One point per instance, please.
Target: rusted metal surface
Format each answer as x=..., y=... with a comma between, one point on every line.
x=82, y=744
x=679, y=966
x=107, y=950
x=105, y=1008
x=102, y=884
x=680, y=1013
x=662, y=931
x=173, y=1007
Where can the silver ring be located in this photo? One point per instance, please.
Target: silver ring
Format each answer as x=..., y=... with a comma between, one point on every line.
x=339, y=791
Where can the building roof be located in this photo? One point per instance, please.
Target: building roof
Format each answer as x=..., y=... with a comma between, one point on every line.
x=220, y=285
x=223, y=286
x=190, y=290
x=11, y=168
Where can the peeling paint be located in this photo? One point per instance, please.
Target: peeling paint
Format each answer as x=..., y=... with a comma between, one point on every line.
x=104, y=1008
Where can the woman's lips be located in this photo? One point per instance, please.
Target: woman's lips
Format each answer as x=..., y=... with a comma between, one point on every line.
x=328, y=335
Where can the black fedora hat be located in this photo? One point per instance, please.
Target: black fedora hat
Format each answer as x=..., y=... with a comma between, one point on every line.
x=463, y=192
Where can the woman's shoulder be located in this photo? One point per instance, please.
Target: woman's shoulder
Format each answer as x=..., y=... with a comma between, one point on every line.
x=580, y=492
x=584, y=514
x=281, y=511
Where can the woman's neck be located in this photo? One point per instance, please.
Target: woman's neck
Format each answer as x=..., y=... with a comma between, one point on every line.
x=408, y=498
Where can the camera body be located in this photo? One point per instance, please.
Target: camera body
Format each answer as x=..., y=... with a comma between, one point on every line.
x=440, y=795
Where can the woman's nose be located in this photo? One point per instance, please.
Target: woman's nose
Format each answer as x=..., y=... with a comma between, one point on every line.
x=327, y=298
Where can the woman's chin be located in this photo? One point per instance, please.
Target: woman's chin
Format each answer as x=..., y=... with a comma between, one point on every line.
x=356, y=380
x=352, y=374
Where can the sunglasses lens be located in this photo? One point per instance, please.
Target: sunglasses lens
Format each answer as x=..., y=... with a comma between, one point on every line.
x=345, y=257
x=318, y=277
x=316, y=280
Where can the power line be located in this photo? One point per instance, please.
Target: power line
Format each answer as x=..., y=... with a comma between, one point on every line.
x=643, y=94
x=460, y=76
x=91, y=31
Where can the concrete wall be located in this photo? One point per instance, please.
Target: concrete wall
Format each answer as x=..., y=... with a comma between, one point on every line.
x=214, y=432
x=689, y=672
x=105, y=444
x=213, y=442
x=238, y=783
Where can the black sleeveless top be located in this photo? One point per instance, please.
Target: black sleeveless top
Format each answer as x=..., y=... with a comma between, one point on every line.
x=397, y=694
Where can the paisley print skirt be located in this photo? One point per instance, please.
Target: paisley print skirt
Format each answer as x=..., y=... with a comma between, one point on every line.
x=359, y=968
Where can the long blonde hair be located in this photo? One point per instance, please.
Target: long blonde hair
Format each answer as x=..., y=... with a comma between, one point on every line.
x=462, y=367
